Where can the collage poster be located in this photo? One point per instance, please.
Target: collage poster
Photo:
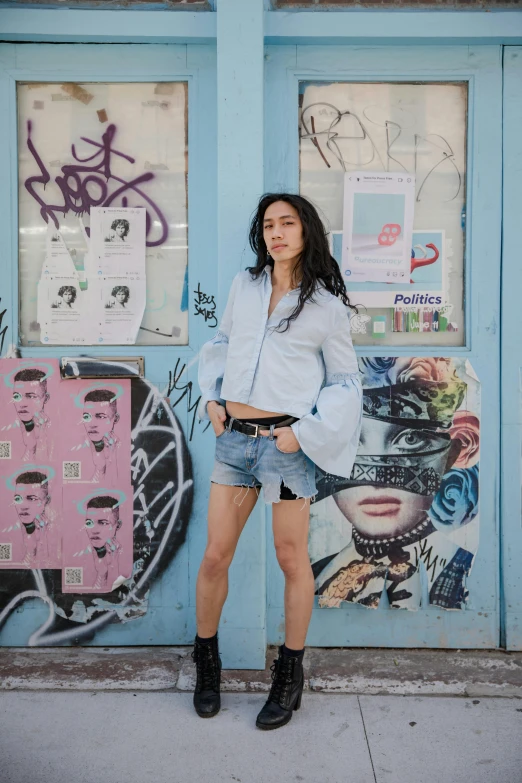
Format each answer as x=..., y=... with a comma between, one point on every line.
x=406, y=523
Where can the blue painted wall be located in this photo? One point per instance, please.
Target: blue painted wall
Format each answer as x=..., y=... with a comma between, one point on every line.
x=242, y=140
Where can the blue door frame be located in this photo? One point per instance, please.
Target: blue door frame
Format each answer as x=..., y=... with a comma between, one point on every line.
x=511, y=474
x=478, y=625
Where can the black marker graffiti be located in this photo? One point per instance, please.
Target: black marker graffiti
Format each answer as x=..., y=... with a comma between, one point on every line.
x=431, y=142
x=186, y=391
x=424, y=554
x=3, y=331
x=206, y=306
x=161, y=472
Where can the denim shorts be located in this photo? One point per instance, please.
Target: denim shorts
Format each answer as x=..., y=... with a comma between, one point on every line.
x=243, y=461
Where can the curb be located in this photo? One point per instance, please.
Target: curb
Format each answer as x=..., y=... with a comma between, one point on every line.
x=467, y=673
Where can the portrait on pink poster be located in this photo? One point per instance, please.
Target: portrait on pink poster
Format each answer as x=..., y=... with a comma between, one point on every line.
x=97, y=537
x=30, y=529
x=96, y=431
x=29, y=407
x=30, y=487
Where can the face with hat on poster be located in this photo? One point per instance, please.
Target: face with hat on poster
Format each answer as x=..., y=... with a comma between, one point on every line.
x=415, y=474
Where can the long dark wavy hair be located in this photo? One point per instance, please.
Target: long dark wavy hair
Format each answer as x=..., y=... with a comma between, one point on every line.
x=315, y=265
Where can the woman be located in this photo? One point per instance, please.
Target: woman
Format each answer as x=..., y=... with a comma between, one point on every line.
x=280, y=384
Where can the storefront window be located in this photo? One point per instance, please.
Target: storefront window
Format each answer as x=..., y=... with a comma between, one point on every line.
x=111, y=146
x=416, y=132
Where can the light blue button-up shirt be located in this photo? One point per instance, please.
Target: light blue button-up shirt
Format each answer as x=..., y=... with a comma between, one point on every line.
x=309, y=371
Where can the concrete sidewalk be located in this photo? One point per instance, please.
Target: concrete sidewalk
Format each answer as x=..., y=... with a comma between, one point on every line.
x=115, y=737
x=121, y=715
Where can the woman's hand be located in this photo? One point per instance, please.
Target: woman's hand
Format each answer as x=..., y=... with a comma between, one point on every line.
x=217, y=415
x=286, y=440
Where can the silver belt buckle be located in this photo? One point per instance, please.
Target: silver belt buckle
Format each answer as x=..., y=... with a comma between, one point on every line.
x=257, y=431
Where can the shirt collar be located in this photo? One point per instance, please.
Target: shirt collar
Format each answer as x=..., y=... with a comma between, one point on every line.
x=268, y=272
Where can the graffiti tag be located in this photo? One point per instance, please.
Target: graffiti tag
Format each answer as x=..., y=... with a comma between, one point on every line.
x=92, y=183
x=206, y=306
x=186, y=391
x=3, y=331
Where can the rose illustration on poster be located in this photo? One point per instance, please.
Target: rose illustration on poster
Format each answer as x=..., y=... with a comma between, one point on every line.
x=411, y=503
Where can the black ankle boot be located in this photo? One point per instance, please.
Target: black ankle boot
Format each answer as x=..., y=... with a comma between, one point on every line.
x=207, y=700
x=285, y=693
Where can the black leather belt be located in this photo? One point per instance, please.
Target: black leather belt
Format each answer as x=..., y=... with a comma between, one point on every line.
x=252, y=430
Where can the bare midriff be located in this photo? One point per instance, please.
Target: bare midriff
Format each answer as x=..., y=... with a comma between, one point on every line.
x=241, y=411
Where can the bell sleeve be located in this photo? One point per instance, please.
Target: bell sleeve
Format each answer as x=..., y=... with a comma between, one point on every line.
x=329, y=435
x=213, y=357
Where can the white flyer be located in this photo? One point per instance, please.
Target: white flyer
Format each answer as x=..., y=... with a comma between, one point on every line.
x=63, y=311
x=59, y=297
x=377, y=226
x=117, y=240
x=119, y=303
x=117, y=272
x=58, y=260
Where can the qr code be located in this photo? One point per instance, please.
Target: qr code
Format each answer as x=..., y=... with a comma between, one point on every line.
x=6, y=552
x=379, y=327
x=5, y=449
x=74, y=576
x=72, y=470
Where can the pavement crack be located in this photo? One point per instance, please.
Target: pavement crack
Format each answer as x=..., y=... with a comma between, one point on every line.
x=366, y=736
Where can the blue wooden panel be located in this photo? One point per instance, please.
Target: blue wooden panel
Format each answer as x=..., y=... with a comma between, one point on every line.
x=512, y=352
x=92, y=26
x=169, y=618
x=378, y=27
x=478, y=624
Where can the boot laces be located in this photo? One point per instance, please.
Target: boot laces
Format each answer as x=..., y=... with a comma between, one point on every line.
x=282, y=678
x=206, y=668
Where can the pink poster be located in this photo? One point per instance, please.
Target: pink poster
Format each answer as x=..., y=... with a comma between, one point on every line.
x=97, y=542
x=30, y=485
x=29, y=406
x=95, y=437
x=65, y=487
x=30, y=506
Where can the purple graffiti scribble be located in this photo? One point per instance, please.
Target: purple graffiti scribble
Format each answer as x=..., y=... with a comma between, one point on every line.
x=77, y=189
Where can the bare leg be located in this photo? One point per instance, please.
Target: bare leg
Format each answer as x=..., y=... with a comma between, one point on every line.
x=228, y=511
x=290, y=521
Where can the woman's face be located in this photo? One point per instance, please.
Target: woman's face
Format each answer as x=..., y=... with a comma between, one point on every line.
x=283, y=232
x=120, y=230
x=377, y=511
x=121, y=297
x=67, y=296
